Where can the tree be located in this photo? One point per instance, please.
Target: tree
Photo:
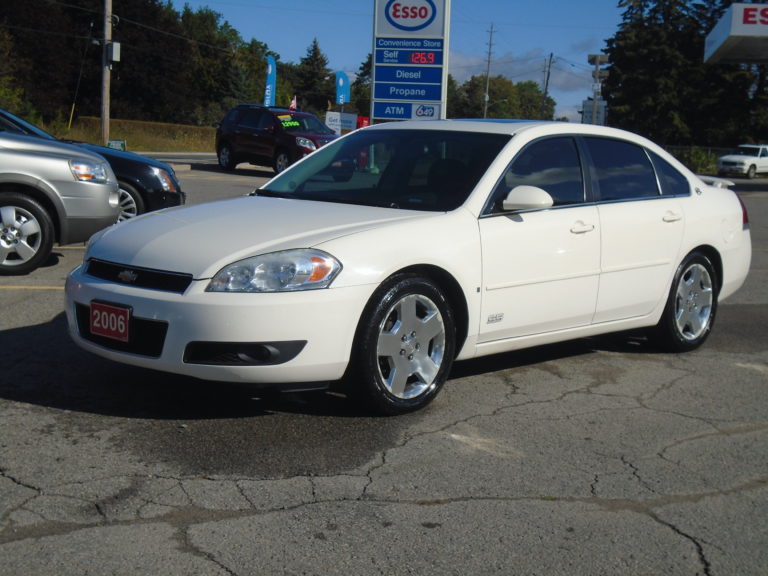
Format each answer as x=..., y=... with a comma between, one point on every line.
x=456, y=97
x=658, y=84
x=11, y=95
x=361, y=87
x=47, y=43
x=505, y=99
x=315, y=84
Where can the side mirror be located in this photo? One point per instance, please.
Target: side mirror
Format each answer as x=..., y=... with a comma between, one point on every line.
x=527, y=198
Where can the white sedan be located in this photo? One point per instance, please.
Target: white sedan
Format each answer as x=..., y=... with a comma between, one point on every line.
x=383, y=257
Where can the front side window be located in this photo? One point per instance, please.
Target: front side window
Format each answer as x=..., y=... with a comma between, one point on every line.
x=552, y=165
x=623, y=170
x=433, y=170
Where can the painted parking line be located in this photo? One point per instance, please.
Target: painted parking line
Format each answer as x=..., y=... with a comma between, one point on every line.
x=31, y=287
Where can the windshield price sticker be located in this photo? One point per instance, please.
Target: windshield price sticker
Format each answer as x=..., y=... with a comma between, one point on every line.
x=110, y=321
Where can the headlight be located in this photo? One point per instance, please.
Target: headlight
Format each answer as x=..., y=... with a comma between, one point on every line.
x=89, y=171
x=165, y=179
x=291, y=270
x=305, y=143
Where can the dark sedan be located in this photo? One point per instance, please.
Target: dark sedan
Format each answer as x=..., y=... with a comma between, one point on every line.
x=145, y=184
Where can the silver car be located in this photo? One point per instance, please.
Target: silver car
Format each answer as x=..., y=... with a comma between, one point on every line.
x=49, y=192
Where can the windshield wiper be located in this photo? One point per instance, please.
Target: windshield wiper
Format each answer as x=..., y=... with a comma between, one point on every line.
x=271, y=193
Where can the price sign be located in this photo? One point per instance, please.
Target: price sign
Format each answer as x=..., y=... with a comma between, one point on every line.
x=410, y=59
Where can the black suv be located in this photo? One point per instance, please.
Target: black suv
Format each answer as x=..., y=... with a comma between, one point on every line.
x=267, y=136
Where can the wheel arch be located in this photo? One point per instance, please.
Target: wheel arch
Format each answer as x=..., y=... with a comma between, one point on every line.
x=453, y=293
x=40, y=197
x=714, y=257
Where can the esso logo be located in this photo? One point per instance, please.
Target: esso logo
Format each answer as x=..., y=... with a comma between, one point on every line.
x=410, y=15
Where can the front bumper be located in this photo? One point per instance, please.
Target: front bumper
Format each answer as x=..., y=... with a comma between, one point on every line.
x=88, y=208
x=732, y=168
x=269, y=339
x=160, y=198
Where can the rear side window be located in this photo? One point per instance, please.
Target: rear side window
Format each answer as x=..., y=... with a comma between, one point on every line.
x=251, y=119
x=623, y=170
x=673, y=183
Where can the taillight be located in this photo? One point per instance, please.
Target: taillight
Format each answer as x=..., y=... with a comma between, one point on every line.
x=744, y=214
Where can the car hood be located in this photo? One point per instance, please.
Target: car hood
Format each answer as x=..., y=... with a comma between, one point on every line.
x=112, y=154
x=38, y=145
x=737, y=158
x=202, y=239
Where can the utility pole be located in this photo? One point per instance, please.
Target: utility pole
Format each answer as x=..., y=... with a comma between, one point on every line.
x=486, y=97
x=598, y=75
x=546, y=85
x=106, y=72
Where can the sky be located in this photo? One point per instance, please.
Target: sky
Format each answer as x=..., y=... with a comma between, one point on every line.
x=525, y=33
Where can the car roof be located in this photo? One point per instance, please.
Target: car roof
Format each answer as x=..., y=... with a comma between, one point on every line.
x=275, y=109
x=512, y=127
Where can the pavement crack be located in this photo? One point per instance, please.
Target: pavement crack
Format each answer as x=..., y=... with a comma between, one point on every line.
x=705, y=564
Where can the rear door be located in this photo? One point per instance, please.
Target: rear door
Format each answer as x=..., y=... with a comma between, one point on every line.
x=641, y=228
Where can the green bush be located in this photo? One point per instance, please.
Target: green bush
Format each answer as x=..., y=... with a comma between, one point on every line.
x=697, y=160
x=141, y=136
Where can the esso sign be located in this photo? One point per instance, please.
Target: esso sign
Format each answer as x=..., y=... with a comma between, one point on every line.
x=410, y=15
x=755, y=15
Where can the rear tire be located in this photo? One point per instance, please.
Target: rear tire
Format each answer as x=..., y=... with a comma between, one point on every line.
x=691, y=307
x=405, y=346
x=226, y=158
x=26, y=234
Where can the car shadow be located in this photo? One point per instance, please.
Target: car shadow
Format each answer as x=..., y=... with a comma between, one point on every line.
x=240, y=170
x=45, y=368
x=623, y=342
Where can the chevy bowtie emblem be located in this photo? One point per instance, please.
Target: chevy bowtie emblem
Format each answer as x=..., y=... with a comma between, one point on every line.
x=127, y=276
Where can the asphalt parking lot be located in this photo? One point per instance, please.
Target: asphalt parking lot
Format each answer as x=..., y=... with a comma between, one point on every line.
x=599, y=456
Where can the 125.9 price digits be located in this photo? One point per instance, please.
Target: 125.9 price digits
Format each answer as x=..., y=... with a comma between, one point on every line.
x=422, y=57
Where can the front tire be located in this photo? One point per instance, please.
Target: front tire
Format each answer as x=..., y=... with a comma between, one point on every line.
x=405, y=346
x=131, y=203
x=751, y=172
x=691, y=307
x=26, y=234
x=281, y=161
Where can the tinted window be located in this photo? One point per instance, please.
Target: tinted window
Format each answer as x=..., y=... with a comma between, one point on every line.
x=251, y=119
x=431, y=170
x=622, y=170
x=552, y=165
x=672, y=182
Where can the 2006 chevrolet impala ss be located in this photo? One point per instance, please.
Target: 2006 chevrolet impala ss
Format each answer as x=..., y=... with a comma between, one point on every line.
x=383, y=257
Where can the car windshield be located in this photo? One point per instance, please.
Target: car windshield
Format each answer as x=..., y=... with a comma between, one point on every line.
x=302, y=123
x=747, y=151
x=433, y=170
x=12, y=123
